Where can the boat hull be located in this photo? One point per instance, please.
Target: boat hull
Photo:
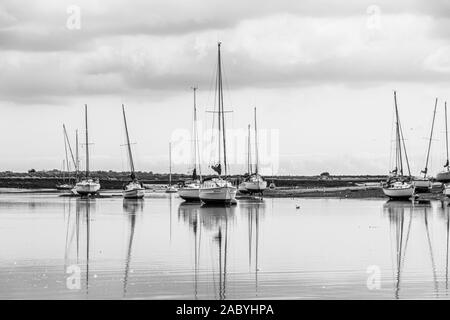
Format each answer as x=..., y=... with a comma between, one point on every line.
x=171, y=190
x=446, y=190
x=242, y=189
x=64, y=187
x=443, y=176
x=137, y=193
x=422, y=185
x=256, y=187
x=218, y=195
x=189, y=194
x=87, y=188
x=397, y=193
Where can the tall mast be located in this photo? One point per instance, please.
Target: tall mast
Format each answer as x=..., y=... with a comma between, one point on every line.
x=196, y=147
x=130, y=156
x=170, y=163
x=64, y=170
x=249, y=152
x=256, y=147
x=65, y=149
x=425, y=170
x=221, y=111
x=398, y=149
x=404, y=148
x=87, y=141
x=446, y=136
x=77, y=157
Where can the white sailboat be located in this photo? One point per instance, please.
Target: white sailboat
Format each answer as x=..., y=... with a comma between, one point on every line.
x=256, y=183
x=190, y=191
x=444, y=176
x=423, y=184
x=133, y=189
x=398, y=186
x=87, y=186
x=170, y=188
x=218, y=190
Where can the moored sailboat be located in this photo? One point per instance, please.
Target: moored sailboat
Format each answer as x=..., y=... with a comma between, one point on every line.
x=218, y=190
x=444, y=176
x=190, y=191
x=423, y=184
x=87, y=186
x=133, y=189
x=256, y=183
x=398, y=185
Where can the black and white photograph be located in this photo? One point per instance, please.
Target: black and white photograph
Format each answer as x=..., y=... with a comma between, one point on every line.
x=224, y=151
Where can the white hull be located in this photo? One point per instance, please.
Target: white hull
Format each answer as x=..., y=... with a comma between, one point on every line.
x=189, y=193
x=171, y=190
x=87, y=187
x=256, y=186
x=399, y=193
x=242, y=188
x=137, y=193
x=225, y=194
x=446, y=190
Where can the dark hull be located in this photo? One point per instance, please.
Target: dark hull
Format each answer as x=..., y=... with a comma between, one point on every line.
x=190, y=199
x=443, y=176
x=422, y=190
x=228, y=202
x=64, y=187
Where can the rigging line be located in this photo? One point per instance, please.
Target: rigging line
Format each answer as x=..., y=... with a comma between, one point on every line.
x=431, y=137
x=446, y=136
x=407, y=238
x=433, y=264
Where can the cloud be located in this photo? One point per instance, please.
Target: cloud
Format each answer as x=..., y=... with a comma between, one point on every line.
x=164, y=46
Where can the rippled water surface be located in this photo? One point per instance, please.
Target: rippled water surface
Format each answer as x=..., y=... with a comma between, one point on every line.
x=161, y=248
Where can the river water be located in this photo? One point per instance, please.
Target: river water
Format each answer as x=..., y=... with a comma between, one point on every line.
x=161, y=248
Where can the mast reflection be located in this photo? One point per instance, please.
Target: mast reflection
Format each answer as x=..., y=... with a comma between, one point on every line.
x=212, y=226
x=215, y=221
x=130, y=208
x=83, y=208
x=401, y=216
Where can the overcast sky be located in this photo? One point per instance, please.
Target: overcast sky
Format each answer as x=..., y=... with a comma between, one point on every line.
x=321, y=73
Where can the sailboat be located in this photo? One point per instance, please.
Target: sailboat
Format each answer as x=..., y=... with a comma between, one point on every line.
x=398, y=186
x=133, y=189
x=217, y=189
x=191, y=189
x=423, y=184
x=444, y=176
x=170, y=188
x=256, y=183
x=88, y=185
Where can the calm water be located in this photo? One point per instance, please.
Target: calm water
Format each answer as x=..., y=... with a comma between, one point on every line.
x=160, y=248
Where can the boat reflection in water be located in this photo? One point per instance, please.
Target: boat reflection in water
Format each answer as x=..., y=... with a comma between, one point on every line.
x=414, y=222
x=78, y=232
x=213, y=239
x=130, y=207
